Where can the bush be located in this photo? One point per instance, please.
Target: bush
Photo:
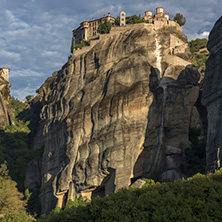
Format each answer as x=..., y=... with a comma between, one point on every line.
x=198, y=198
x=134, y=19
x=117, y=21
x=179, y=19
x=104, y=27
x=82, y=44
x=197, y=44
x=199, y=56
x=12, y=205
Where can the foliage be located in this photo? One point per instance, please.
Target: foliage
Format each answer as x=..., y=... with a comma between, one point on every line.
x=82, y=44
x=198, y=198
x=14, y=140
x=28, y=98
x=134, y=19
x=104, y=27
x=21, y=216
x=200, y=54
x=179, y=19
x=72, y=45
x=77, y=202
x=117, y=20
x=197, y=44
x=12, y=205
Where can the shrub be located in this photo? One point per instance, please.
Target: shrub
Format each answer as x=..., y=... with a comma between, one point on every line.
x=117, y=21
x=82, y=44
x=134, y=19
x=12, y=205
x=198, y=198
x=104, y=27
x=179, y=19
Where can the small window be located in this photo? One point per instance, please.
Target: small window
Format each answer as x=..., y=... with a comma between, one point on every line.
x=122, y=19
x=122, y=14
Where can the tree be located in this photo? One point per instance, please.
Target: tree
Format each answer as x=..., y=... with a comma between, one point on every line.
x=28, y=98
x=117, y=21
x=134, y=19
x=179, y=19
x=12, y=205
x=104, y=27
x=72, y=45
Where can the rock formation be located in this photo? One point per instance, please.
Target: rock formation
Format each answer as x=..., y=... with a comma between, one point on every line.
x=5, y=109
x=118, y=110
x=212, y=97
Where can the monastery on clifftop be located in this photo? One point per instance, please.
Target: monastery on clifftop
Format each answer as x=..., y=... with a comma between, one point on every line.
x=88, y=29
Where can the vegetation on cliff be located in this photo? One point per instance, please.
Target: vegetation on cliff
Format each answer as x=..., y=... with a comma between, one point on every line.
x=198, y=198
x=12, y=203
x=200, y=54
x=104, y=27
x=83, y=43
x=179, y=19
x=14, y=139
x=134, y=19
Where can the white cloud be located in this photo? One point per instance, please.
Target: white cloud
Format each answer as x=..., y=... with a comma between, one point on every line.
x=7, y=55
x=21, y=94
x=203, y=35
x=49, y=53
x=25, y=73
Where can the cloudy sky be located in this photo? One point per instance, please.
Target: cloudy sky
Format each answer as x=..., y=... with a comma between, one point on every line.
x=36, y=35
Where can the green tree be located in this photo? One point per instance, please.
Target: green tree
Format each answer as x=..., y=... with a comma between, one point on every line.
x=104, y=27
x=179, y=19
x=200, y=54
x=117, y=21
x=198, y=198
x=72, y=45
x=28, y=98
x=12, y=205
x=134, y=19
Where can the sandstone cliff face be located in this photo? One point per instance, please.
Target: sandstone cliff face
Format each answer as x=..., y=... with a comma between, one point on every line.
x=109, y=117
x=5, y=109
x=212, y=97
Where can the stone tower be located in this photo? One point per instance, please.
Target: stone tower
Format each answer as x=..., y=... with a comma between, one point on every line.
x=122, y=18
x=159, y=10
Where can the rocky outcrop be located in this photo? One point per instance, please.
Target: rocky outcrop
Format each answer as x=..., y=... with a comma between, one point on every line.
x=5, y=108
x=212, y=98
x=169, y=120
x=116, y=112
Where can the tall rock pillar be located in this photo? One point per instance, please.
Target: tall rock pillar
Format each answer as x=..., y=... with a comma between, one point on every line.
x=212, y=98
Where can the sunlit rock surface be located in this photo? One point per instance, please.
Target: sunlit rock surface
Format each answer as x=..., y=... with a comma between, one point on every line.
x=109, y=117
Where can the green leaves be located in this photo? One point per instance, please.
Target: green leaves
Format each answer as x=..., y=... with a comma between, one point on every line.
x=134, y=19
x=179, y=19
x=197, y=199
x=200, y=54
x=104, y=27
x=12, y=205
